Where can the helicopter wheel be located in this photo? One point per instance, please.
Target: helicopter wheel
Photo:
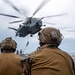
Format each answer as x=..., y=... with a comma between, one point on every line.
x=31, y=35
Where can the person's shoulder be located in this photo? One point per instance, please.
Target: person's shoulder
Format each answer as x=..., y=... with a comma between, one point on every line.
x=65, y=53
x=16, y=56
x=33, y=53
x=1, y=55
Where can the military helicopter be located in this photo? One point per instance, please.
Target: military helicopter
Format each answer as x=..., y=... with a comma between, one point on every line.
x=31, y=25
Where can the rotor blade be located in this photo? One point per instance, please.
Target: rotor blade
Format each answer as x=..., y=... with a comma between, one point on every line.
x=12, y=28
x=11, y=4
x=55, y=15
x=15, y=21
x=9, y=15
x=49, y=23
x=41, y=5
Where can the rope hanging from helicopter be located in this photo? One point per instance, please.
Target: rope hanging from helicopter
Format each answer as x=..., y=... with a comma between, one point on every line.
x=26, y=44
x=31, y=25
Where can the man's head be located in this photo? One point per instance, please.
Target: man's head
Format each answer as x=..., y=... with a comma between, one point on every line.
x=8, y=45
x=50, y=35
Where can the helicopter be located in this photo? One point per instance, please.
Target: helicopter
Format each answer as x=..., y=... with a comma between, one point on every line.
x=31, y=25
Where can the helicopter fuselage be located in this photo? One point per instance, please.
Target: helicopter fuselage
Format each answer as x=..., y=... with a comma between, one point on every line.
x=31, y=26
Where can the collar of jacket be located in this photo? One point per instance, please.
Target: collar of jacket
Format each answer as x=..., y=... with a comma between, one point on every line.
x=48, y=46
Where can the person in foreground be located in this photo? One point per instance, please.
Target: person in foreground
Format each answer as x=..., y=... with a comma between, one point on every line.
x=48, y=59
x=9, y=62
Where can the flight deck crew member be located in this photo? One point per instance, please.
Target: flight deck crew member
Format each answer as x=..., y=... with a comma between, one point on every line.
x=9, y=62
x=48, y=59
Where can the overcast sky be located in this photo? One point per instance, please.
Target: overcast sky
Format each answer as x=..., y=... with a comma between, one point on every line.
x=66, y=23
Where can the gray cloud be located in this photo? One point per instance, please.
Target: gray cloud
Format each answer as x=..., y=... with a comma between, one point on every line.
x=65, y=24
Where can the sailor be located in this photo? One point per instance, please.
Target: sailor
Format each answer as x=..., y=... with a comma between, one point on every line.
x=49, y=59
x=9, y=62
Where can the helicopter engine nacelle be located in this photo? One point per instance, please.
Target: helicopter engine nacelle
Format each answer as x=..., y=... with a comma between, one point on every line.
x=35, y=27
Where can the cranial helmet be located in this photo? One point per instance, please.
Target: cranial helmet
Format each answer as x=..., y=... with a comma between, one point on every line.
x=50, y=35
x=8, y=44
